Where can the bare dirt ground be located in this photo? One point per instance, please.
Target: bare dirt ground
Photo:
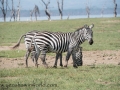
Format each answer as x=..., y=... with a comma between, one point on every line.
x=89, y=58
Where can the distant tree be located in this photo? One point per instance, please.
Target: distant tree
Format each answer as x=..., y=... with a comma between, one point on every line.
x=88, y=9
x=68, y=17
x=60, y=8
x=18, y=12
x=13, y=12
x=115, y=8
x=31, y=14
x=103, y=7
x=3, y=7
x=35, y=11
x=46, y=10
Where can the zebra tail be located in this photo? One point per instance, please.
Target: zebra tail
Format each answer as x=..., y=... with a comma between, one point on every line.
x=18, y=44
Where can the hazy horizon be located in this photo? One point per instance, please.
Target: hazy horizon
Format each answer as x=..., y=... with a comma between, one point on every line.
x=68, y=4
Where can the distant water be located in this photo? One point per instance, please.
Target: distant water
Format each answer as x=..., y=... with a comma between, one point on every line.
x=68, y=14
x=58, y=17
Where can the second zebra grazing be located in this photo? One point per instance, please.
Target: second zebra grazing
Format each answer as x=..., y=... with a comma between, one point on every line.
x=59, y=42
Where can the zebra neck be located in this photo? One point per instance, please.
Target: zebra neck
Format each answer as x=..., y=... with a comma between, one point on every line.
x=80, y=37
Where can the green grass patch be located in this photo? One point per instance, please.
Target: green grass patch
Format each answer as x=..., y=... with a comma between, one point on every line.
x=12, y=53
x=101, y=77
x=106, y=31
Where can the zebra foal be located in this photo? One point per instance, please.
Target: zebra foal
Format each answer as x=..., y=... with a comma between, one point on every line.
x=77, y=56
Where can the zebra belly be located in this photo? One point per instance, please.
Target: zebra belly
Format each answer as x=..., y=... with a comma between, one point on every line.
x=60, y=47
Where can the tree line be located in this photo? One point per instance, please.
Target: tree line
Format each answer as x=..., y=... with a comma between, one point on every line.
x=15, y=12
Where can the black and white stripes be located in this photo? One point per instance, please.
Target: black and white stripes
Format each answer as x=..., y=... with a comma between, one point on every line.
x=77, y=56
x=58, y=42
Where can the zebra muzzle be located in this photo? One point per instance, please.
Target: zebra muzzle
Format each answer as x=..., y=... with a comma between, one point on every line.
x=91, y=41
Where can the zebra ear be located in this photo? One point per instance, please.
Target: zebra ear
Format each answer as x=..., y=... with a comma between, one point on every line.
x=91, y=26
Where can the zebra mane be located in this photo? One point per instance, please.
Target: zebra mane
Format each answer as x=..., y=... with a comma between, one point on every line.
x=79, y=29
x=40, y=32
x=85, y=26
x=34, y=31
x=76, y=34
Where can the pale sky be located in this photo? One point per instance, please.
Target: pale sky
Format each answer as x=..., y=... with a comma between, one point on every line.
x=68, y=4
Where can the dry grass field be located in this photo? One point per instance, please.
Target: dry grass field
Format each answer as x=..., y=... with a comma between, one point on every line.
x=101, y=61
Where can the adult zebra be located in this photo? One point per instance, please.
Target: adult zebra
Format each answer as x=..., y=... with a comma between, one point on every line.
x=32, y=48
x=61, y=42
x=76, y=55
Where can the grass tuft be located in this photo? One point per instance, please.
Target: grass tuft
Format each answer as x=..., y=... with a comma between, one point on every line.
x=95, y=77
x=105, y=77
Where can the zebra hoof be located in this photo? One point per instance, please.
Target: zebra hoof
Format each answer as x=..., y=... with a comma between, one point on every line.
x=61, y=65
x=65, y=65
x=80, y=64
x=36, y=65
x=46, y=67
x=75, y=66
x=54, y=66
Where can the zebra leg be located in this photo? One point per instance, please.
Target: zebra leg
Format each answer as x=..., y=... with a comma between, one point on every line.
x=42, y=57
x=36, y=57
x=33, y=55
x=36, y=60
x=61, y=60
x=56, y=59
x=26, y=57
x=67, y=57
